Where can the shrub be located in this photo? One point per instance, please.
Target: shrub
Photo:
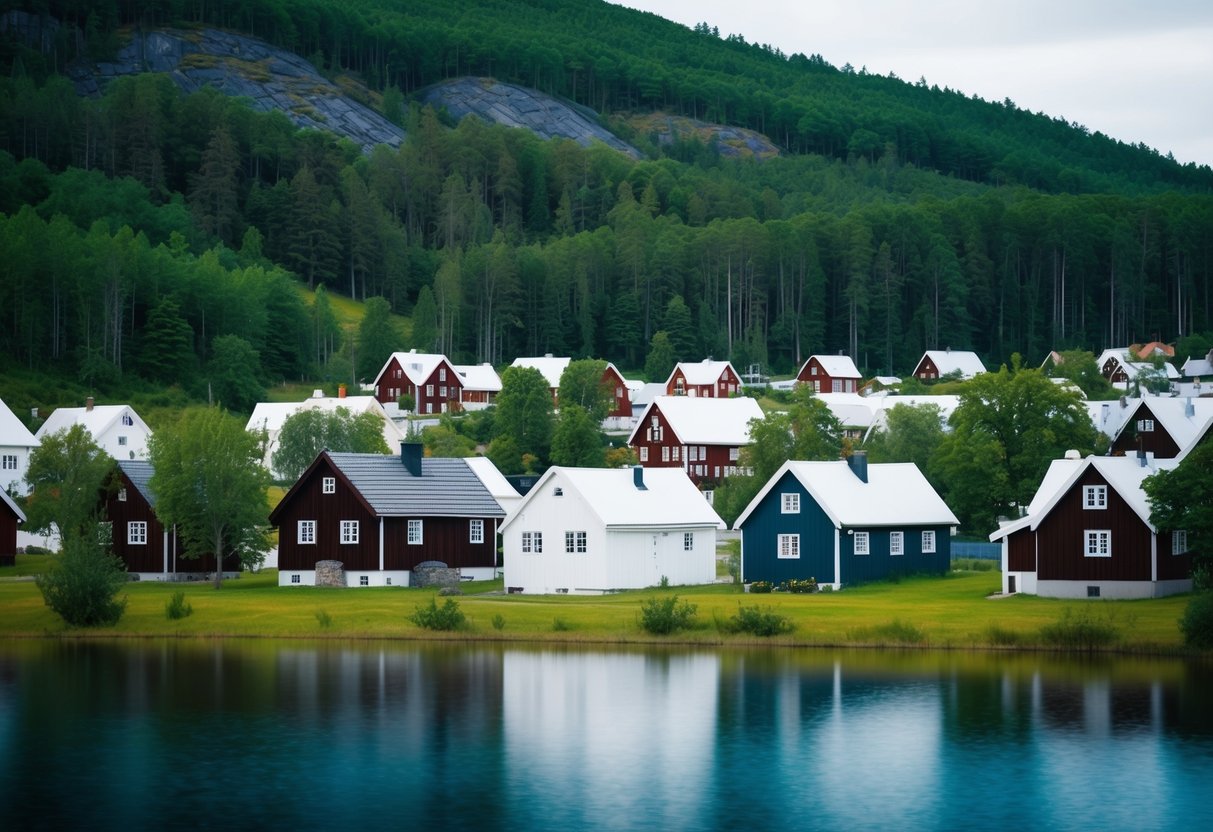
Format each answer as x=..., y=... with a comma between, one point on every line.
x=1197, y=621
x=82, y=586
x=759, y=621
x=434, y=617
x=662, y=616
x=664, y=583
x=799, y=586
x=561, y=625
x=498, y=622
x=324, y=619
x=1084, y=629
x=761, y=587
x=825, y=588
x=894, y=632
x=1001, y=636
x=177, y=607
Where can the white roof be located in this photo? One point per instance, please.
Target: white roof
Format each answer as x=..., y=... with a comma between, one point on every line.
x=13, y=432
x=505, y=494
x=479, y=377
x=1172, y=414
x=852, y=409
x=701, y=372
x=699, y=420
x=1197, y=367
x=836, y=366
x=418, y=366
x=549, y=365
x=95, y=421
x=668, y=498
x=647, y=392
x=896, y=494
x=1124, y=474
x=1133, y=368
x=1109, y=416
x=270, y=416
x=8, y=501
x=950, y=361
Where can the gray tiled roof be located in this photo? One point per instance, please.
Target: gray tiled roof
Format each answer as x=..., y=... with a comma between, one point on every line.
x=446, y=487
x=139, y=472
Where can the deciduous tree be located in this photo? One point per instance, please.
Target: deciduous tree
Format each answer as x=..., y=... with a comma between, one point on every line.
x=66, y=473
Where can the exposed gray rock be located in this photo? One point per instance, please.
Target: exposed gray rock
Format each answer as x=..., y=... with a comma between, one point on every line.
x=433, y=573
x=330, y=573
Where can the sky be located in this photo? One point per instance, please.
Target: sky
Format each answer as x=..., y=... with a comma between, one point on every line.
x=1137, y=71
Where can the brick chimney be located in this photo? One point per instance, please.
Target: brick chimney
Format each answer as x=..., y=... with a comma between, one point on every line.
x=88, y=404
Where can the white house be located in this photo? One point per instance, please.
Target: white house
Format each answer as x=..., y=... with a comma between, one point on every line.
x=936, y=364
x=117, y=428
x=16, y=444
x=270, y=416
x=588, y=531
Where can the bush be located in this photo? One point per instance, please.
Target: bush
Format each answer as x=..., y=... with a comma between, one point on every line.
x=1197, y=621
x=1084, y=629
x=799, y=586
x=561, y=625
x=324, y=619
x=758, y=621
x=761, y=587
x=82, y=586
x=662, y=616
x=498, y=622
x=177, y=607
x=434, y=617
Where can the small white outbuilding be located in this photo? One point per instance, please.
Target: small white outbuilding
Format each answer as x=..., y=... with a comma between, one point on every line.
x=588, y=531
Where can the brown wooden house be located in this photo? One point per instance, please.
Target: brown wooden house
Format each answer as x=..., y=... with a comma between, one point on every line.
x=703, y=436
x=432, y=382
x=935, y=364
x=149, y=550
x=1163, y=427
x=1088, y=534
x=381, y=516
x=707, y=379
x=11, y=516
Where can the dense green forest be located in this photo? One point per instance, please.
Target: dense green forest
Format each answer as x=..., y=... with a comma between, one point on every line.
x=140, y=228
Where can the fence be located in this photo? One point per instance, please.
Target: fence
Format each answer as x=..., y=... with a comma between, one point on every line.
x=976, y=549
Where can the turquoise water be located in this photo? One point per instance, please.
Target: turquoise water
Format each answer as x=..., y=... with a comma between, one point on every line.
x=266, y=735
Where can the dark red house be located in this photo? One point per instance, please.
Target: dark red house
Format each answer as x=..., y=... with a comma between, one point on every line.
x=381, y=516
x=430, y=380
x=830, y=374
x=1163, y=426
x=11, y=516
x=707, y=379
x=703, y=436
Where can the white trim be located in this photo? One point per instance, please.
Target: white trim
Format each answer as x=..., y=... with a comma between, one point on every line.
x=1097, y=543
x=349, y=532
x=928, y=535
x=867, y=543
x=787, y=547
x=419, y=538
x=899, y=538
x=302, y=538
x=1094, y=497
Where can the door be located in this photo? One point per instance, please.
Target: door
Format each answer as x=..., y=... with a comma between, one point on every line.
x=1010, y=584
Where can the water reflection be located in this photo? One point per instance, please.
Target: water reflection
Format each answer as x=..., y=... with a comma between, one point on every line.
x=246, y=734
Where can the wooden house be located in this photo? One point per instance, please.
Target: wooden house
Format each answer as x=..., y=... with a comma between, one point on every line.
x=706, y=379
x=430, y=380
x=830, y=374
x=1198, y=367
x=117, y=428
x=16, y=445
x=11, y=517
x=844, y=522
x=551, y=367
x=1162, y=426
x=1087, y=534
x=702, y=436
x=596, y=530
x=935, y=364
x=150, y=551
x=381, y=516
x=1121, y=370
x=481, y=384
x=622, y=391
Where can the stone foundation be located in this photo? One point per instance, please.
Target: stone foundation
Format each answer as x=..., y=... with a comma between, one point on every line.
x=330, y=573
x=433, y=573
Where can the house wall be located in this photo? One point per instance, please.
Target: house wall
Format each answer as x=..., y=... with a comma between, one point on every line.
x=445, y=539
x=637, y=558
x=328, y=510
x=621, y=400
x=1021, y=551
x=15, y=463
x=1157, y=441
x=1114, y=371
x=926, y=369
x=394, y=382
x=8, y=535
x=823, y=382
x=724, y=386
x=124, y=441
x=760, y=538
x=553, y=570
x=879, y=564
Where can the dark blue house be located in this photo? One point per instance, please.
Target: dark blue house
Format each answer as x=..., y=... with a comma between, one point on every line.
x=844, y=522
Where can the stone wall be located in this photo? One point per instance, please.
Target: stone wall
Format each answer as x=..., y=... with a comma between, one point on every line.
x=439, y=575
x=330, y=573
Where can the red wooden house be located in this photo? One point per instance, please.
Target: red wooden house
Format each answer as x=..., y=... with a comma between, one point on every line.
x=381, y=516
x=830, y=374
x=703, y=436
x=11, y=516
x=707, y=379
x=1087, y=534
x=430, y=380
x=1163, y=427
x=148, y=549
x=936, y=364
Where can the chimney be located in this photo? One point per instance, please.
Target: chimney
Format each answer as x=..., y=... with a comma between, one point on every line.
x=858, y=462
x=410, y=455
x=638, y=478
x=1141, y=458
x=88, y=403
x=341, y=391
x=317, y=393
x=1189, y=408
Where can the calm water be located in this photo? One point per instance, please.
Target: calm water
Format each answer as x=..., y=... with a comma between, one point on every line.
x=238, y=735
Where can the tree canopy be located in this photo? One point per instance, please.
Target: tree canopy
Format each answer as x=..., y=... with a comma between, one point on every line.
x=309, y=431
x=67, y=472
x=1181, y=499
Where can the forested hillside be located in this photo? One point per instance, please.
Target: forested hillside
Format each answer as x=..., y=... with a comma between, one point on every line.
x=900, y=217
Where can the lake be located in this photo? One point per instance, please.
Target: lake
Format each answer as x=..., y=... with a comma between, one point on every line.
x=241, y=734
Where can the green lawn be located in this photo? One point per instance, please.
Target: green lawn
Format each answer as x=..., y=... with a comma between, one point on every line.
x=949, y=612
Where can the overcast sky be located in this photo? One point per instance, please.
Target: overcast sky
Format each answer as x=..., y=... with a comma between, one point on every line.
x=1137, y=71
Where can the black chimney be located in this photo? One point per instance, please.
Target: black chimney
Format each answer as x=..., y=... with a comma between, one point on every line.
x=410, y=455
x=638, y=478
x=858, y=460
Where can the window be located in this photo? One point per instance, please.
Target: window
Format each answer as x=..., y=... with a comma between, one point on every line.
x=328, y=485
x=1094, y=496
x=136, y=533
x=928, y=543
x=791, y=504
x=817, y=385
x=121, y=440
x=665, y=453
x=442, y=374
x=475, y=531
x=8, y=462
x=1179, y=542
x=789, y=546
x=429, y=390
x=532, y=542
x=897, y=543
x=122, y=495
x=674, y=453
x=812, y=369
x=364, y=580
x=415, y=533
x=716, y=472
x=1099, y=543
x=688, y=542
x=294, y=579
x=442, y=391
x=861, y=543
x=734, y=454
x=307, y=532
x=619, y=392
x=558, y=491
x=349, y=531
x=692, y=453
x=835, y=386
x=644, y=454
x=1145, y=425
x=574, y=542
x=127, y=420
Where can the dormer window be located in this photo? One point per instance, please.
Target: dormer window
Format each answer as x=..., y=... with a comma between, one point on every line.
x=558, y=491
x=127, y=420
x=328, y=485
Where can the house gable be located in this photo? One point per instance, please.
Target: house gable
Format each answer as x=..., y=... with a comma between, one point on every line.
x=1144, y=431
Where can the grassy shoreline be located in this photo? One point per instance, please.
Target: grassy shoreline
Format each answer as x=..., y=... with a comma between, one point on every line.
x=952, y=612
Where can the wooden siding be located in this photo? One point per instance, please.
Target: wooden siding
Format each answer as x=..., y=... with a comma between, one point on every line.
x=1114, y=371
x=328, y=510
x=1021, y=551
x=926, y=369
x=445, y=539
x=1157, y=441
x=621, y=400
x=1061, y=538
x=760, y=538
x=879, y=564
x=1171, y=566
x=724, y=386
x=700, y=470
x=393, y=382
x=847, y=384
x=8, y=535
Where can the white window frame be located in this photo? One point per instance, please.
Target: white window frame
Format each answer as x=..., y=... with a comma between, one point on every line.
x=328, y=485
x=897, y=543
x=429, y=390
x=136, y=533
x=305, y=534
x=665, y=453
x=734, y=454
x=1094, y=497
x=8, y=462
x=644, y=453
x=688, y=541
x=122, y=495
x=416, y=533
x=1179, y=541
x=532, y=543
x=863, y=543
x=1097, y=543
x=475, y=531
x=295, y=579
x=789, y=503
x=575, y=543
x=349, y=532
x=787, y=547
x=1145, y=425
x=928, y=542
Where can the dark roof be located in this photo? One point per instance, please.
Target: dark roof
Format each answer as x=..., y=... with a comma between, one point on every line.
x=139, y=472
x=446, y=487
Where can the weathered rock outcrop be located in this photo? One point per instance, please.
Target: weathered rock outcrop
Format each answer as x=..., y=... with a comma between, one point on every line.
x=736, y=142
x=515, y=106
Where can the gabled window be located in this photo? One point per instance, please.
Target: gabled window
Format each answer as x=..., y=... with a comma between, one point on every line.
x=790, y=503
x=122, y=495
x=812, y=369
x=1179, y=542
x=688, y=541
x=1145, y=425
x=789, y=546
x=897, y=543
x=442, y=374
x=349, y=531
x=1098, y=543
x=928, y=542
x=861, y=543
x=307, y=532
x=1094, y=497
x=328, y=485
x=416, y=531
x=136, y=533
x=734, y=454
x=475, y=531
